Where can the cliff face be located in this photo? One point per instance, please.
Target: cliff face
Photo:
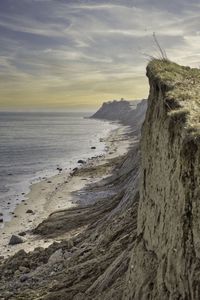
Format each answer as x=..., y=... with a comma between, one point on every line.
x=141, y=243
x=165, y=261
x=128, y=113
x=93, y=264
x=113, y=110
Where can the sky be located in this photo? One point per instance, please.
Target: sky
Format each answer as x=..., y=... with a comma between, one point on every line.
x=72, y=54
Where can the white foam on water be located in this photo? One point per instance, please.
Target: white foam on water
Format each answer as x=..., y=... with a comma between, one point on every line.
x=33, y=145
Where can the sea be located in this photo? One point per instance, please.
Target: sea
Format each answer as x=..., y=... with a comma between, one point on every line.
x=34, y=144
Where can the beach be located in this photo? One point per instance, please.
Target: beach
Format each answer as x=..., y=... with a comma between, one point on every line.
x=57, y=193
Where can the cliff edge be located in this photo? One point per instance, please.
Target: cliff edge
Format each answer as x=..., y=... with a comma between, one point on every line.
x=113, y=110
x=129, y=113
x=142, y=239
x=165, y=261
x=91, y=259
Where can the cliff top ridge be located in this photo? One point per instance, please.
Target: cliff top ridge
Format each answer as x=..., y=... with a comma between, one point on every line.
x=180, y=86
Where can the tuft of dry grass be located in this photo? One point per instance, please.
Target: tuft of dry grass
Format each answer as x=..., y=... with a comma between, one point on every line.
x=161, y=53
x=182, y=90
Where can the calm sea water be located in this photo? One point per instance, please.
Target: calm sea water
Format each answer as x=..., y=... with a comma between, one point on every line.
x=33, y=145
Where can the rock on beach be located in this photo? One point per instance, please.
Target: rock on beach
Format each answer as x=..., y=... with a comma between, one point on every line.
x=15, y=239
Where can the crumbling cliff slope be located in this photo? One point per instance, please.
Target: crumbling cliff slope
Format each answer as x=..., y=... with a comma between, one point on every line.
x=142, y=242
x=165, y=261
x=93, y=264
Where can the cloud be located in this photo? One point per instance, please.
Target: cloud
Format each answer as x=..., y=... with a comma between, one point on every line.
x=32, y=26
x=82, y=49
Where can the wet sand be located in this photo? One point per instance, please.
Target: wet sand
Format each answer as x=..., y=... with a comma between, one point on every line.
x=56, y=193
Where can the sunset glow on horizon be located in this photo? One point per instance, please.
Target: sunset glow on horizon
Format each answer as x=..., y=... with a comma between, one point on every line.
x=72, y=54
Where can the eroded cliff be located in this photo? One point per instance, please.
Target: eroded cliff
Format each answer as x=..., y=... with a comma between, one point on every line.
x=129, y=113
x=113, y=110
x=165, y=261
x=140, y=242
x=93, y=264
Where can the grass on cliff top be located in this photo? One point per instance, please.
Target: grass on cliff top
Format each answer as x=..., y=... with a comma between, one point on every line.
x=182, y=87
x=171, y=73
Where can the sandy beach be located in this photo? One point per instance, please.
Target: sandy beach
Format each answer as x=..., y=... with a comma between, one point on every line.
x=56, y=193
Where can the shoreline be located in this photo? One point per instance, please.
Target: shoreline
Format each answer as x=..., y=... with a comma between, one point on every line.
x=56, y=193
x=20, y=185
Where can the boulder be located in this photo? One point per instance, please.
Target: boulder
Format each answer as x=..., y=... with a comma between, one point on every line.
x=23, y=233
x=59, y=169
x=80, y=161
x=14, y=240
x=93, y=147
x=29, y=211
x=1, y=220
x=24, y=277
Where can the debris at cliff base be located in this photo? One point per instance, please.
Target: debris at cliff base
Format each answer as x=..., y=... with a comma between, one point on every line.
x=92, y=264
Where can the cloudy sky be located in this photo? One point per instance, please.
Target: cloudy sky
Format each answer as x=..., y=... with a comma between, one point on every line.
x=70, y=53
